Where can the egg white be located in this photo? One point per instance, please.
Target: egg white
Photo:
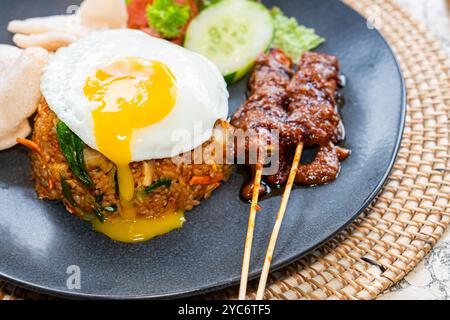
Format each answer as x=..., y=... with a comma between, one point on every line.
x=201, y=99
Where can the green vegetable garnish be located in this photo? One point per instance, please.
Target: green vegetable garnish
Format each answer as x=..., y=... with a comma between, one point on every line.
x=99, y=215
x=168, y=17
x=116, y=183
x=67, y=192
x=97, y=212
x=230, y=77
x=291, y=37
x=72, y=148
x=157, y=184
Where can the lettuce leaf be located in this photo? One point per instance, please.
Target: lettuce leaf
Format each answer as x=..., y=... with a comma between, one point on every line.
x=292, y=38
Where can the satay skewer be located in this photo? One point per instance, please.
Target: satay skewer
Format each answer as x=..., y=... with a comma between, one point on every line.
x=278, y=221
x=250, y=232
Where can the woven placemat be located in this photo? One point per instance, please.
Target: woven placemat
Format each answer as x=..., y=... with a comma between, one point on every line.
x=412, y=211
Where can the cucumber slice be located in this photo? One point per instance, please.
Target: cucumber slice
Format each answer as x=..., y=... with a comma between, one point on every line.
x=231, y=34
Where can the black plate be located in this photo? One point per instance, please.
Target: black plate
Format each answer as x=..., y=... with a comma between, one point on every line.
x=39, y=240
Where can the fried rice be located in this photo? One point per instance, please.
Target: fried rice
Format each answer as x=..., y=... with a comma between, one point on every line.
x=49, y=167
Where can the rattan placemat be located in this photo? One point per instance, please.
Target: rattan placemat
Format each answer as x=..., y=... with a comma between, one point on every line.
x=412, y=211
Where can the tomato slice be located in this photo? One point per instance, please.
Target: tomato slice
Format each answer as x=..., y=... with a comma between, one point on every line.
x=137, y=17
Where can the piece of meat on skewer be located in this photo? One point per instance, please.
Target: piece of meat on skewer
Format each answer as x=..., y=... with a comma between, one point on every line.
x=264, y=110
x=318, y=77
x=271, y=74
x=312, y=100
x=325, y=167
x=313, y=119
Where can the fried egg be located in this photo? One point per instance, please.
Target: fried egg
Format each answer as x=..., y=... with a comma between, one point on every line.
x=133, y=97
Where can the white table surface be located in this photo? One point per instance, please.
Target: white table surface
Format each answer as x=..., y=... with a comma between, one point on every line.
x=430, y=280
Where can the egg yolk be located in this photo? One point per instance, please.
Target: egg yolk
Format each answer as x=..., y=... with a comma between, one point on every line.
x=131, y=93
x=139, y=229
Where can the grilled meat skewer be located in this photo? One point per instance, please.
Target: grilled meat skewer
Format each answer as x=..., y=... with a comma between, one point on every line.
x=301, y=107
x=264, y=111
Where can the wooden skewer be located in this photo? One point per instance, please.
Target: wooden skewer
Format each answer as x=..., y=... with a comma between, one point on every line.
x=278, y=221
x=250, y=231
